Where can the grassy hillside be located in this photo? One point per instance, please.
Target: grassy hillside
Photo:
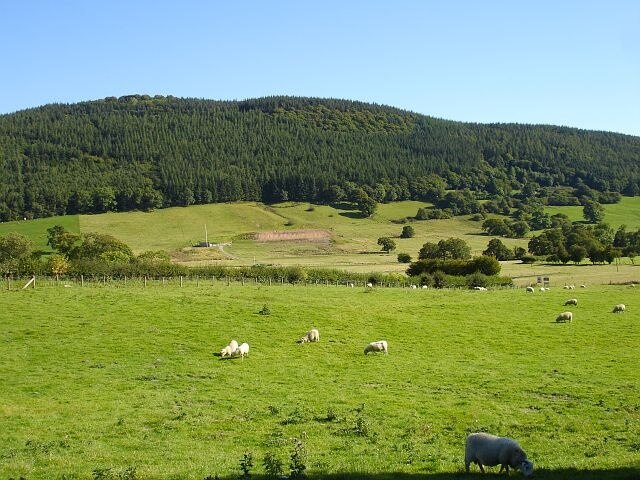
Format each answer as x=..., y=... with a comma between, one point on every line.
x=627, y=212
x=114, y=377
x=352, y=245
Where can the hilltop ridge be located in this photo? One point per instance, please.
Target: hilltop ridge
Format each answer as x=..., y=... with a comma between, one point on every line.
x=139, y=152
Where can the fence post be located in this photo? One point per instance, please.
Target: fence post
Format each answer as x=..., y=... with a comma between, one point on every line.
x=82, y=280
x=125, y=279
x=145, y=280
x=180, y=280
x=243, y=281
x=197, y=281
x=163, y=281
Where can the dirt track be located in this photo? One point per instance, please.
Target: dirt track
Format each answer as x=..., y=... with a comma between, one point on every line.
x=293, y=235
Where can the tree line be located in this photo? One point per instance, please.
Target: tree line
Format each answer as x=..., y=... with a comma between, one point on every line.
x=140, y=153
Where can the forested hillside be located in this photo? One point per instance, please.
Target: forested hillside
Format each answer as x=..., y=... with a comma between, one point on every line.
x=141, y=152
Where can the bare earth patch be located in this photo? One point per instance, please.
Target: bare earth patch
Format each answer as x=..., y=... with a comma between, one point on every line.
x=293, y=235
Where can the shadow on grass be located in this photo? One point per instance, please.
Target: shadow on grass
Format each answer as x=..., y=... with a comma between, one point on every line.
x=353, y=214
x=623, y=473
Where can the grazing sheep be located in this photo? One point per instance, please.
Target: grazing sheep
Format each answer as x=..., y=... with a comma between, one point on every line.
x=369, y=285
x=227, y=351
x=486, y=449
x=531, y=289
x=230, y=349
x=312, y=335
x=242, y=350
x=564, y=317
x=566, y=287
x=542, y=289
x=619, y=308
x=413, y=286
x=572, y=301
x=379, y=346
x=583, y=286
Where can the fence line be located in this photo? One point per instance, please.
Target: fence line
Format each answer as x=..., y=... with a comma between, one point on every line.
x=14, y=283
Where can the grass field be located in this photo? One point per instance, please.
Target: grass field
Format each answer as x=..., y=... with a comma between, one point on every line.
x=124, y=378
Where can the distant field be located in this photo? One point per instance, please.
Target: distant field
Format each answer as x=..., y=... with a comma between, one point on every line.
x=114, y=377
x=354, y=239
x=351, y=243
x=627, y=212
x=36, y=229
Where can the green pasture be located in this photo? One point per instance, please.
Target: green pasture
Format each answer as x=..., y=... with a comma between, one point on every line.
x=627, y=212
x=352, y=245
x=36, y=229
x=124, y=377
x=353, y=239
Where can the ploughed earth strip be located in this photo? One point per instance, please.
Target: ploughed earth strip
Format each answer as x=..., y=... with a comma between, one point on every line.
x=293, y=235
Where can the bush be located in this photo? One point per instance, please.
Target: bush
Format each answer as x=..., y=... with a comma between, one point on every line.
x=407, y=232
x=477, y=279
x=426, y=280
x=439, y=279
x=528, y=259
x=404, y=258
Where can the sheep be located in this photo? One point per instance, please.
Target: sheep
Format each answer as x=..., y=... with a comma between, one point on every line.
x=564, y=317
x=312, y=335
x=531, y=289
x=583, y=286
x=379, y=346
x=369, y=285
x=230, y=349
x=413, y=286
x=486, y=449
x=226, y=351
x=572, y=301
x=542, y=289
x=619, y=308
x=242, y=350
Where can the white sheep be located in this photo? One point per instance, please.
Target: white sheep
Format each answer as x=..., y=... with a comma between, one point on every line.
x=572, y=301
x=486, y=449
x=227, y=351
x=619, y=308
x=242, y=350
x=564, y=317
x=542, y=289
x=369, y=285
x=379, y=346
x=230, y=349
x=312, y=335
x=531, y=289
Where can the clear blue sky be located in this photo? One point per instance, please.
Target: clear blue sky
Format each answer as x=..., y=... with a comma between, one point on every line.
x=573, y=62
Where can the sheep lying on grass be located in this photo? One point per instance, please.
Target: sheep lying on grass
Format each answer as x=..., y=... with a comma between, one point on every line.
x=564, y=317
x=486, y=449
x=379, y=346
x=312, y=335
x=619, y=308
x=571, y=301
